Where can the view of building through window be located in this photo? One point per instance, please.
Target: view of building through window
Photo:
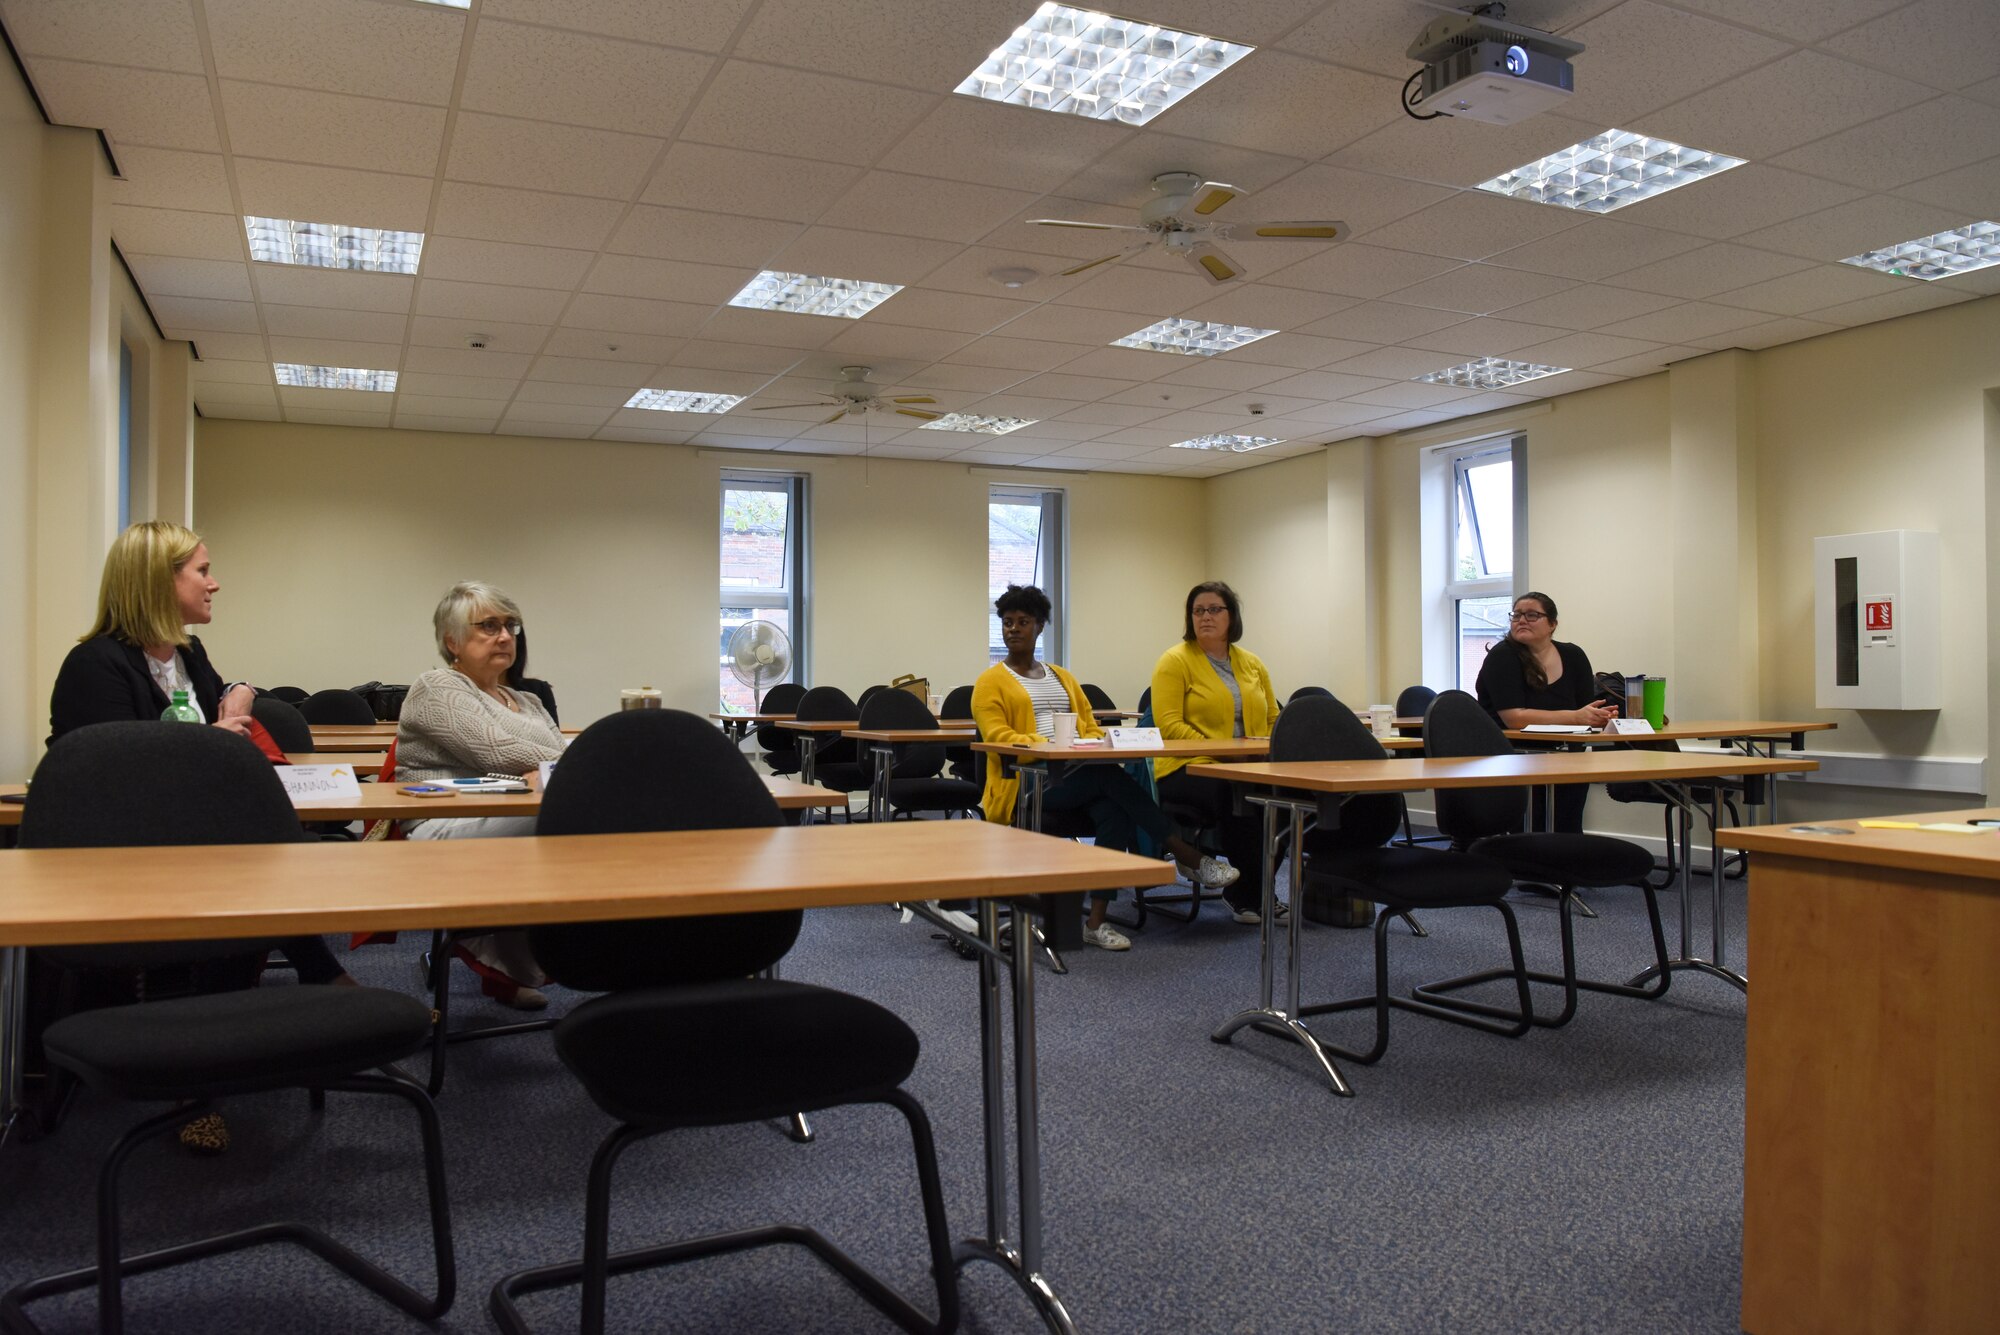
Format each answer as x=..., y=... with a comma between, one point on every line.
x=762, y=552
x=1482, y=553
x=1023, y=546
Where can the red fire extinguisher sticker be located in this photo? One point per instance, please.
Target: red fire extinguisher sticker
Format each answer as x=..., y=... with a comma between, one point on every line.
x=1881, y=615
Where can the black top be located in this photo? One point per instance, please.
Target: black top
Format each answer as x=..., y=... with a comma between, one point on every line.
x=105, y=680
x=1503, y=682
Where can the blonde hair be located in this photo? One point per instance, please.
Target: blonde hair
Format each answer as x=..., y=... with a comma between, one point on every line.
x=136, y=600
x=453, y=618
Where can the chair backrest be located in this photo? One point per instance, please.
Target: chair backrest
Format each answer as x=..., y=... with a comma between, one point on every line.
x=1146, y=700
x=1099, y=697
x=1306, y=691
x=1320, y=727
x=149, y=784
x=828, y=704
x=1457, y=725
x=657, y=769
x=1412, y=703
x=536, y=687
x=900, y=709
x=336, y=706
x=780, y=699
x=291, y=695
x=964, y=760
x=868, y=693
x=287, y=726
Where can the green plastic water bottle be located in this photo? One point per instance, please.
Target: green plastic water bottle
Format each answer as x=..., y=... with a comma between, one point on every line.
x=180, y=711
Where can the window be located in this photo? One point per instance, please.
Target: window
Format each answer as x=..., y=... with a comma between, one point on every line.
x=1483, y=534
x=1024, y=545
x=763, y=547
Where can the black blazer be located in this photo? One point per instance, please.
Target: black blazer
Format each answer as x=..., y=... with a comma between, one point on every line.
x=105, y=680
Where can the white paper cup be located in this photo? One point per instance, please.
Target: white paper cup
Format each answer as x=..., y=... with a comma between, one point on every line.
x=1383, y=719
x=1065, y=729
x=937, y=704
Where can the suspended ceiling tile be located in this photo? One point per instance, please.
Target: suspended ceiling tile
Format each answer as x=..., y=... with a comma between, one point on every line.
x=609, y=345
x=499, y=335
x=237, y=412
x=1597, y=249
x=333, y=194
x=700, y=25
x=1484, y=336
x=169, y=276
x=198, y=313
x=1213, y=373
x=1799, y=20
x=713, y=179
x=369, y=402
x=563, y=413
x=924, y=206
x=475, y=426
x=1080, y=388
x=478, y=408
x=1326, y=385
x=529, y=217
x=1382, y=322
x=1111, y=415
x=1708, y=271
x=131, y=106
x=1362, y=37
x=990, y=143
x=232, y=347
x=1123, y=177
x=1389, y=364
x=1907, y=146
x=921, y=44
x=867, y=338
x=577, y=79
x=1772, y=334
x=1740, y=200
x=1585, y=350
x=115, y=32
x=1460, y=153
x=666, y=280
x=215, y=371
x=299, y=125
x=1812, y=94
x=212, y=393
x=1126, y=287
x=958, y=312
x=336, y=352
x=707, y=355
x=1480, y=289
x=1279, y=103
x=1413, y=395
x=635, y=315
x=167, y=178
x=1127, y=363
x=490, y=301
x=463, y=361
x=1358, y=270
x=1973, y=191
x=537, y=155
x=1911, y=298
x=1304, y=352
x=767, y=109
x=711, y=238
x=1264, y=306
x=1079, y=325
x=408, y=53
x=1473, y=224
x=1626, y=69
x=460, y=259
x=1589, y=306
x=1177, y=400
x=1870, y=223
x=607, y=397
x=1944, y=43
x=872, y=256
x=970, y=379
x=300, y=285
x=768, y=329
x=1685, y=323
x=625, y=376
x=202, y=236
x=495, y=389
x=321, y=322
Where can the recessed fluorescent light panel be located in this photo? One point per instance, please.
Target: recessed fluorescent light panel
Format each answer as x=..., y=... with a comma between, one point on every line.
x=990, y=426
x=804, y=294
x=682, y=401
x=300, y=376
x=1943, y=255
x=448, y=4
x=1490, y=373
x=1234, y=444
x=1193, y=337
x=1089, y=64
x=1608, y=171
x=333, y=245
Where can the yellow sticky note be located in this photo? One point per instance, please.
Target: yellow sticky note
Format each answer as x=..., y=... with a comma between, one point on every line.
x=1889, y=825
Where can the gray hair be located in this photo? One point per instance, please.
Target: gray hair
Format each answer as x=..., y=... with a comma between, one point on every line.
x=453, y=618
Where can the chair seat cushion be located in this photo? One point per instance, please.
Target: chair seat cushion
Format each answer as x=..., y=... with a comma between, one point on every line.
x=1568, y=859
x=238, y=1042
x=843, y=776
x=1409, y=877
x=933, y=794
x=738, y=1050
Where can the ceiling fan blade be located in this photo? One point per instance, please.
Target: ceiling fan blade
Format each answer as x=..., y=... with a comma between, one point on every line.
x=836, y=417
x=778, y=407
x=918, y=412
x=1086, y=226
x=1212, y=196
x=1215, y=266
x=1295, y=231
x=914, y=398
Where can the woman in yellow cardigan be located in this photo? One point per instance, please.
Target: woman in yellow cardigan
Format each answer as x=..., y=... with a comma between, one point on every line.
x=1014, y=702
x=1209, y=687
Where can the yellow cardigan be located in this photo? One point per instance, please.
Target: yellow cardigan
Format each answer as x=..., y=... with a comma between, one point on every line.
x=1001, y=708
x=1191, y=703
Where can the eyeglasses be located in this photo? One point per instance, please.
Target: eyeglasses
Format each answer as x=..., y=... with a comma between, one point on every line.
x=1214, y=610
x=1527, y=616
x=492, y=626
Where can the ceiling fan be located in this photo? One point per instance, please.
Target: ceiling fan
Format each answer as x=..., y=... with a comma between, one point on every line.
x=856, y=397
x=1177, y=220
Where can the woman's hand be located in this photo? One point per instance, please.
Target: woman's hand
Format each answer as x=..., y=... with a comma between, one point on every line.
x=1595, y=714
x=236, y=723
x=236, y=704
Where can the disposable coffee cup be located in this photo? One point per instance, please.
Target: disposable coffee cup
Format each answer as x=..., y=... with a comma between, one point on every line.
x=1382, y=718
x=936, y=703
x=1065, y=729
x=645, y=697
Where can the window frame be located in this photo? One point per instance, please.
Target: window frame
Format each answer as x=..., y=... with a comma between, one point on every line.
x=1051, y=562
x=1447, y=469
x=795, y=594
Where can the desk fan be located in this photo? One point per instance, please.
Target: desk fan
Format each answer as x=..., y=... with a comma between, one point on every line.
x=759, y=655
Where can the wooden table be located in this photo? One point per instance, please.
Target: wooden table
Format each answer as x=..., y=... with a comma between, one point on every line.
x=1297, y=789
x=1871, y=1151
x=885, y=744
x=737, y=726
x=367, y=736
x=365, y=765
x=386, y=801
x=61, y=896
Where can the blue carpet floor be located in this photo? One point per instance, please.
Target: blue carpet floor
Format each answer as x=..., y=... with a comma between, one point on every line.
x=1587, y=1179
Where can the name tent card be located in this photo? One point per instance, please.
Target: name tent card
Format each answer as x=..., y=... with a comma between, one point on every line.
x=306, y=784
x=1629, y=726
x=1117, y=737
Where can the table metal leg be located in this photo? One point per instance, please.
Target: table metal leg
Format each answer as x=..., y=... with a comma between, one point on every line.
x=1684, y=803
x=1021, y=1260
x=13, y=1031
x=1265, y=1017
x=808, y=752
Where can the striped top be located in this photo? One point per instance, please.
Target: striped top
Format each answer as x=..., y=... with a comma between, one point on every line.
x=1046, y=694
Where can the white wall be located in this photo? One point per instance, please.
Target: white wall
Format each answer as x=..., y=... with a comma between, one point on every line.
x=22, y=720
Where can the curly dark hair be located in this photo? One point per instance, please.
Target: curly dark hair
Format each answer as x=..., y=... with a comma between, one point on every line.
x=1025, y=598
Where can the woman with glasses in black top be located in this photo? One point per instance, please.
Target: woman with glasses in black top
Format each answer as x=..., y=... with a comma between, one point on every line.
x=1532, y=677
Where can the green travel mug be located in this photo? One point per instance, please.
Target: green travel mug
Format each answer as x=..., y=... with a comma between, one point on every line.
x=1656, y=701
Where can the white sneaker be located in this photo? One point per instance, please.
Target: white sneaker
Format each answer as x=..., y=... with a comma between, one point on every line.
x=1210, y=874
x=1250, y=916
x=1106, y=937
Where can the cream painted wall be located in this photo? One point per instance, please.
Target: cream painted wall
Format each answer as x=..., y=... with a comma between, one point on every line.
x=22, y=135
x=1270, y=538
x=611, y=551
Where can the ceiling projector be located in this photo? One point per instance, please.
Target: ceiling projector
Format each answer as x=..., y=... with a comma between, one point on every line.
x=1483, y=68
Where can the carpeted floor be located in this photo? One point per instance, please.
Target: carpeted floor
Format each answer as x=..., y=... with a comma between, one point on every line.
x=1587, y=1179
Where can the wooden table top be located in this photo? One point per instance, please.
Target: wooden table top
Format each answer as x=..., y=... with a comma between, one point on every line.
x=1231, y=746
x=385, y=801
x=1695, y=731
x=750, y=718
x=73, y=895
x=819, y=725
x=1974, y=855
x=1403, y=775
x=364, y=764
x=938, y=734
x=353, y=742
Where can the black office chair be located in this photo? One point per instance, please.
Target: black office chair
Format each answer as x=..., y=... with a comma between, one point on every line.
x=336, y=706
x=1411, y=703
x=963, y=760
x=1146, y=700
x=837, y=761
x=1347, y=855
x=1306, y=693
x=287, y=726
x=1099, y=697
x=917, y=783
x=868, y=693
x=779, y=745
x=1724, y=792
x=686, y=1037
x=1489, y=821
x=291, y=695
x=151, y=784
